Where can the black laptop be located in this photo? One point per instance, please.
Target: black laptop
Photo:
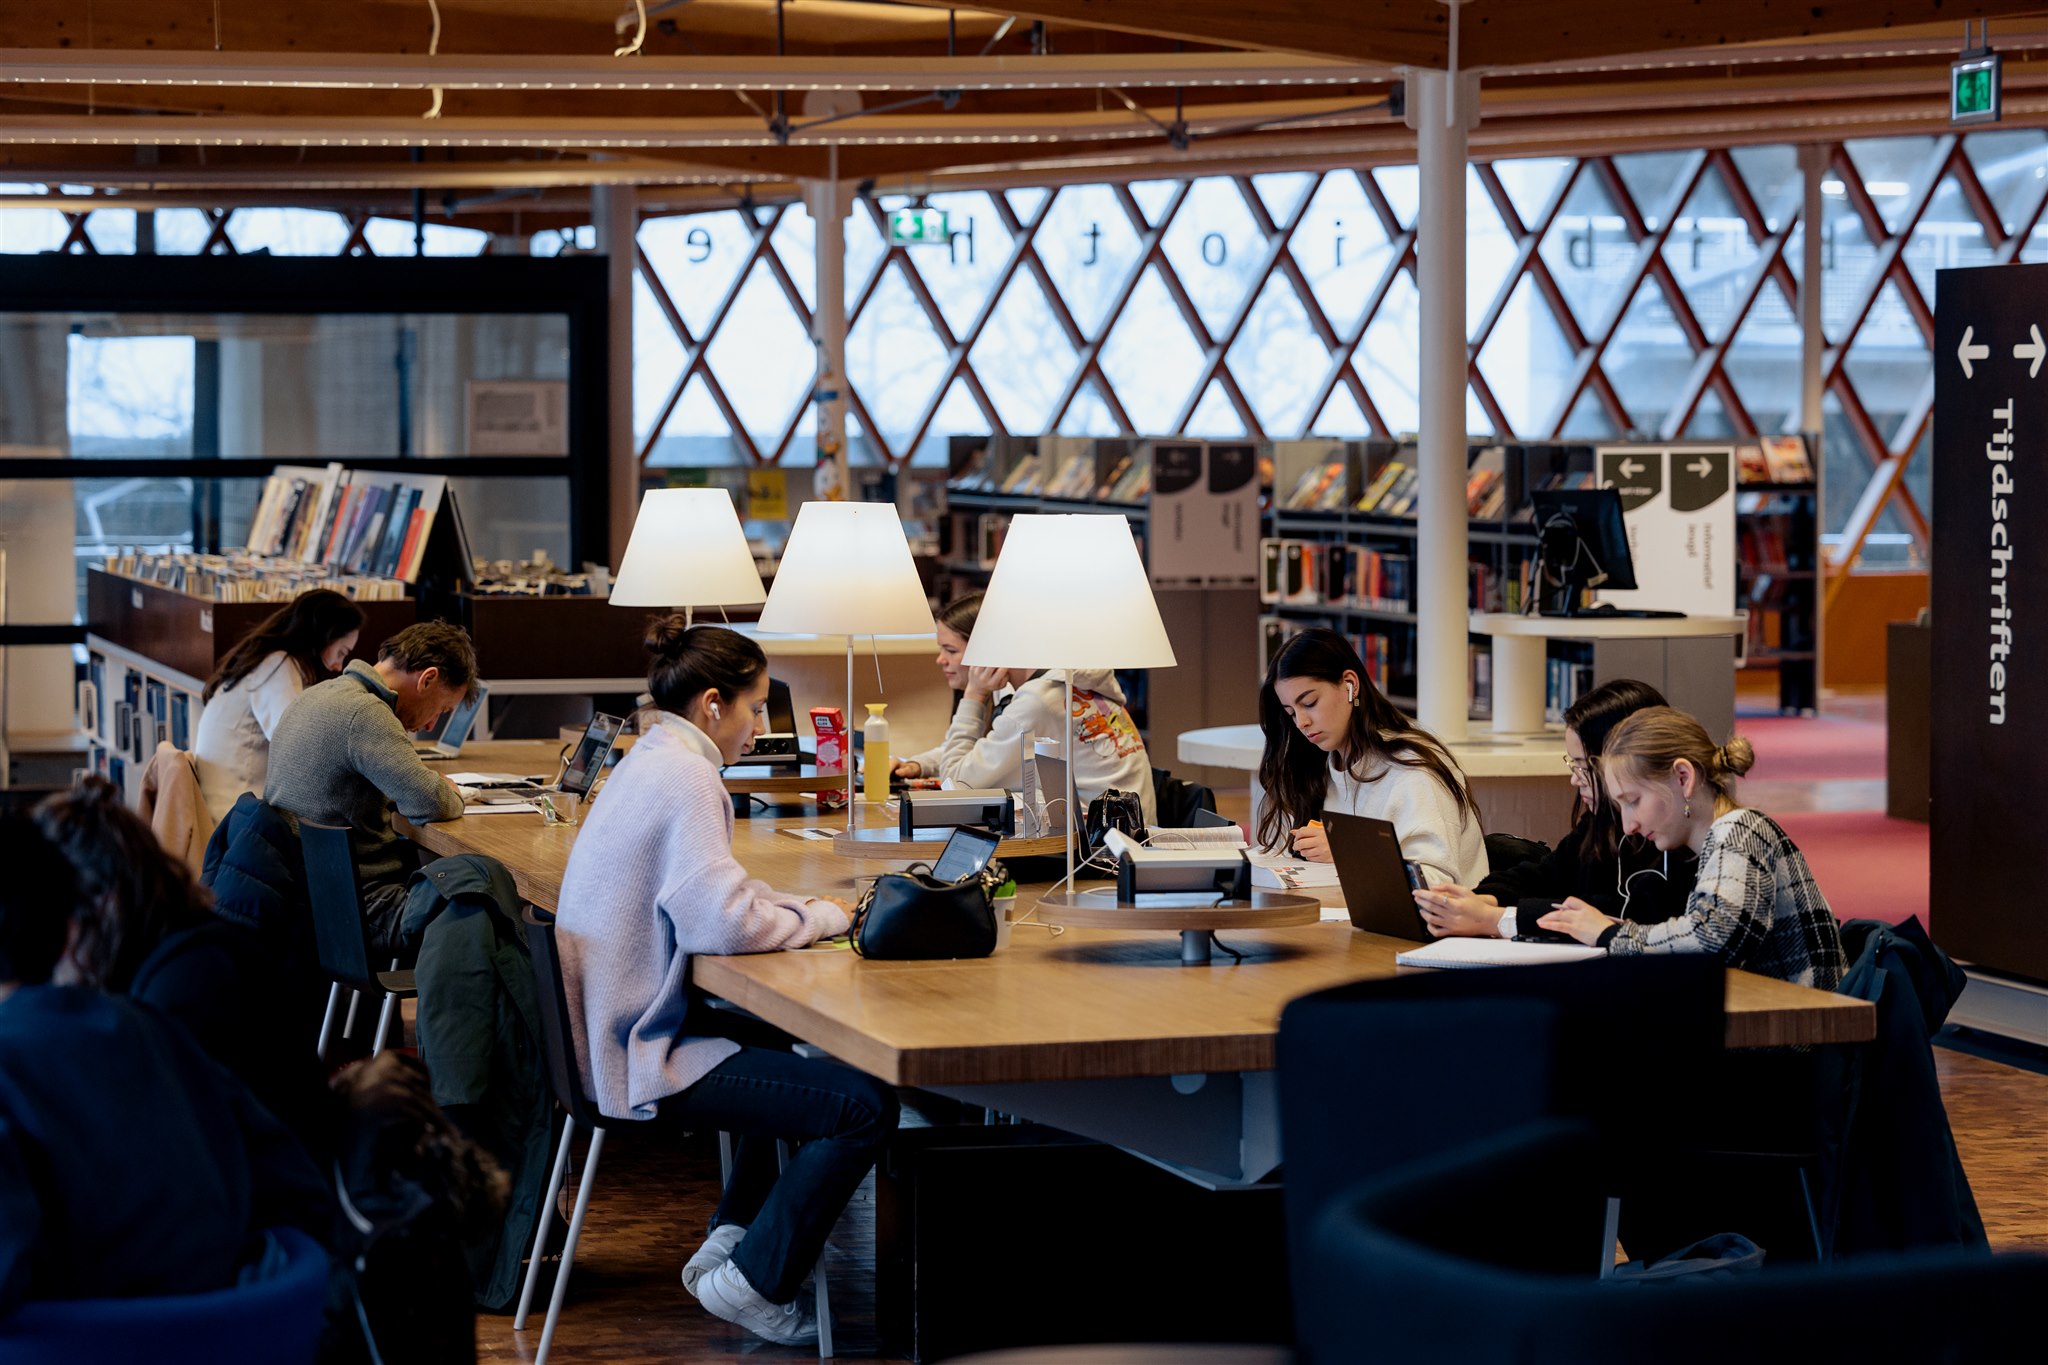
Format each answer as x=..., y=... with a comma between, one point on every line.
x=1370, y=869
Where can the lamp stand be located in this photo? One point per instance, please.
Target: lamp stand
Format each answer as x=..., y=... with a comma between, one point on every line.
x=1067, y=746
x=847, y=738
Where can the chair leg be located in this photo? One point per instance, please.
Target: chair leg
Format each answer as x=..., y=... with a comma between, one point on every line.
x=1610, y=1237
x=817, y=1272
x=348, y=1025
x=1820, y=1254
x=547, y=1331
x=327, y=1018
x=383, y=1023
x=540, y=1236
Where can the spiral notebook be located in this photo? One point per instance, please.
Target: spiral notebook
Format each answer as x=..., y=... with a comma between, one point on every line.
x=1493, y=952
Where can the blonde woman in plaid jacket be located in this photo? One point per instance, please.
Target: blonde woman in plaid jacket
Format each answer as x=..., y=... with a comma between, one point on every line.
x=1755, y=904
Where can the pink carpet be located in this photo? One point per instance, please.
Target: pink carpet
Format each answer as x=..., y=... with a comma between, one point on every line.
x=1814, y=748
x=1869, y=866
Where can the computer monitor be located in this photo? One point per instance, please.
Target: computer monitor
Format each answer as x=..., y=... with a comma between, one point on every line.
x=1582, y=543
x=777, y=746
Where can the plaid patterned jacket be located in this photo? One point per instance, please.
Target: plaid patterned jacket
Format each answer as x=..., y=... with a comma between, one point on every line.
x=1755, y=906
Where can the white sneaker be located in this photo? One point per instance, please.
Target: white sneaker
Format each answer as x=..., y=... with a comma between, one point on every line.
x=725, y=1292
x=716, y=1251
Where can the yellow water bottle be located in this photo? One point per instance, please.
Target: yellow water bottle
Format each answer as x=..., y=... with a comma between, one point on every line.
x=874, y=743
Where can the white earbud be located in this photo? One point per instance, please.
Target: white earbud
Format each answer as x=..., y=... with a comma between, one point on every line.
x=1351, y=695
x=716, y=714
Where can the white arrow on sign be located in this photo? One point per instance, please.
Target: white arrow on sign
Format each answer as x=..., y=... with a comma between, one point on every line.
x=1629, y=468
x=2033, y=351
x=1967, y=353
x=1702, y=467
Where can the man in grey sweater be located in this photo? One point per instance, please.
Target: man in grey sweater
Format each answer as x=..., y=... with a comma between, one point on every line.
x=342, y=755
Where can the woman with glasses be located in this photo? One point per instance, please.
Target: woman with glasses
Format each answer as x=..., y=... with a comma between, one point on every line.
x=1623, y=876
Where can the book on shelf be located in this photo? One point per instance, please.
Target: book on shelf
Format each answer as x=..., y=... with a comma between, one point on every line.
x=358, y=522
x=1485, y=482
x=1400, y=499
x=1026, y=476
x=1376, y=491
x=1135, y=484
x=1317, y=485
x=1787, y=459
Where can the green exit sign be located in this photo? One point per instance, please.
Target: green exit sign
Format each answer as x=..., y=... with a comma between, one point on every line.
x=916, y=227
x=1973, y=90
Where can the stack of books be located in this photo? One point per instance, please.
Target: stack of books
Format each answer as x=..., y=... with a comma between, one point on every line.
x=355, y=522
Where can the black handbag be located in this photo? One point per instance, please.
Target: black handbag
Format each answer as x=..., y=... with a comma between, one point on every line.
x=912, y=914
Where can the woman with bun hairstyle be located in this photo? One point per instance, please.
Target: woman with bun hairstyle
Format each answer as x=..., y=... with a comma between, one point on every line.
x=302, y=643
x=1334, y=742
x=1617, y=874
x=651, y=881
x=954, y=623
x=1755, y=904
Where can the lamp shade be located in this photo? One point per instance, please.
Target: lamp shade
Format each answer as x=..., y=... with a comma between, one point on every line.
x=687, y=550
x=847, y=571
x=1069, y=592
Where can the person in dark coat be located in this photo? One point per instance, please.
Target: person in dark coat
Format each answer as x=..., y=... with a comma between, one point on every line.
x=480, y=1037
x=131, y=1164
x=1619, y=875
x=143, y=929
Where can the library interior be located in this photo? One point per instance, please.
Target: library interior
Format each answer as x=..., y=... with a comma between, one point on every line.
x=1283, y=661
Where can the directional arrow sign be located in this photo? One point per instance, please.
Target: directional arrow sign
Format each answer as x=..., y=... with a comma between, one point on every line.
x=1967, y=353
x=1630, y=469
x=1702, y=466
x=2029, y=351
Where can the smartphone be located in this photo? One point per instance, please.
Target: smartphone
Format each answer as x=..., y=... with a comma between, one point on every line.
x=1416, y=881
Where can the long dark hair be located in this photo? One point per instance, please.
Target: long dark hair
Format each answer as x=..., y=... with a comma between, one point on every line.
x=302, y=628
x=1295, y=774
x=690, y=659
x=132, y=895
x=1591, y=717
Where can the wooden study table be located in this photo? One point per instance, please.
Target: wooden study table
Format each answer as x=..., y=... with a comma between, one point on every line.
x=1096, y=1031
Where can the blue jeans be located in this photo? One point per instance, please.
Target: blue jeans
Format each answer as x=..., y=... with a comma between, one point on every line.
x=840, y=1116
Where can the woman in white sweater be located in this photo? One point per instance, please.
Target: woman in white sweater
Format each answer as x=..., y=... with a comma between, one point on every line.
x=1334, y=742
x=990, y=733
x=305, y=642
x=651, y=880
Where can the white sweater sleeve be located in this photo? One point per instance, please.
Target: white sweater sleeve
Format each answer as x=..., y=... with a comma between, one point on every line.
x=989, y=761
x=268, y=699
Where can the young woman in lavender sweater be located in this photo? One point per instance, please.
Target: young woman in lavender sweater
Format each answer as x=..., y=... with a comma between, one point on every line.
x=651, y=880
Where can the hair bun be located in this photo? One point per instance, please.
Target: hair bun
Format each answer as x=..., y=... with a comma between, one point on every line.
x=666, y=635
x=1736, y=757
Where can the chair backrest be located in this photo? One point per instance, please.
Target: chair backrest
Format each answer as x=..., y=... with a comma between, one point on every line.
x=558, y=1040
x=1504, y=851
x=339, y=934
x=272, y=1320
x=1177, y=801
x=1379, y=1073
x=1456, y=1257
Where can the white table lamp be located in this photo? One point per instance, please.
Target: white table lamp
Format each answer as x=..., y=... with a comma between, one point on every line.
x=1069, y=592
x=847, y=571
x=688, y=551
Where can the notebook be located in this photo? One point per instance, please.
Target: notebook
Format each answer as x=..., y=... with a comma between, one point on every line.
x=1494, y=952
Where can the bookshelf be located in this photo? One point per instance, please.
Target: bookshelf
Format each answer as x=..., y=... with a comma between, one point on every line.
x=1346, y=560
x=1777, y=530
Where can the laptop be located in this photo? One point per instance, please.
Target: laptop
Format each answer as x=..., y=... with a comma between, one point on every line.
x=586, y=764
x=446, y=740
x=778, y=747
x=968, y=850
x=1052, y=788
x=1374, y=877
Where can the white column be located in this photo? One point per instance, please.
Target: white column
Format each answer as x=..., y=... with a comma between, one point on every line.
x=1813, y=163
x=827, y=202
x=615, y=217
x=1441, y=124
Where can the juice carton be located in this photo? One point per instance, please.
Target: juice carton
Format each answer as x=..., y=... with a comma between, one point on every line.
x=830, y=724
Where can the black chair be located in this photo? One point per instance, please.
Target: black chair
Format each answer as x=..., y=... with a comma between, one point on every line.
x=1504, y=851
x=340, y=937
x=1176, y=801
x=1479, y=1255
x=567, y=1083
x=1380, y=1073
